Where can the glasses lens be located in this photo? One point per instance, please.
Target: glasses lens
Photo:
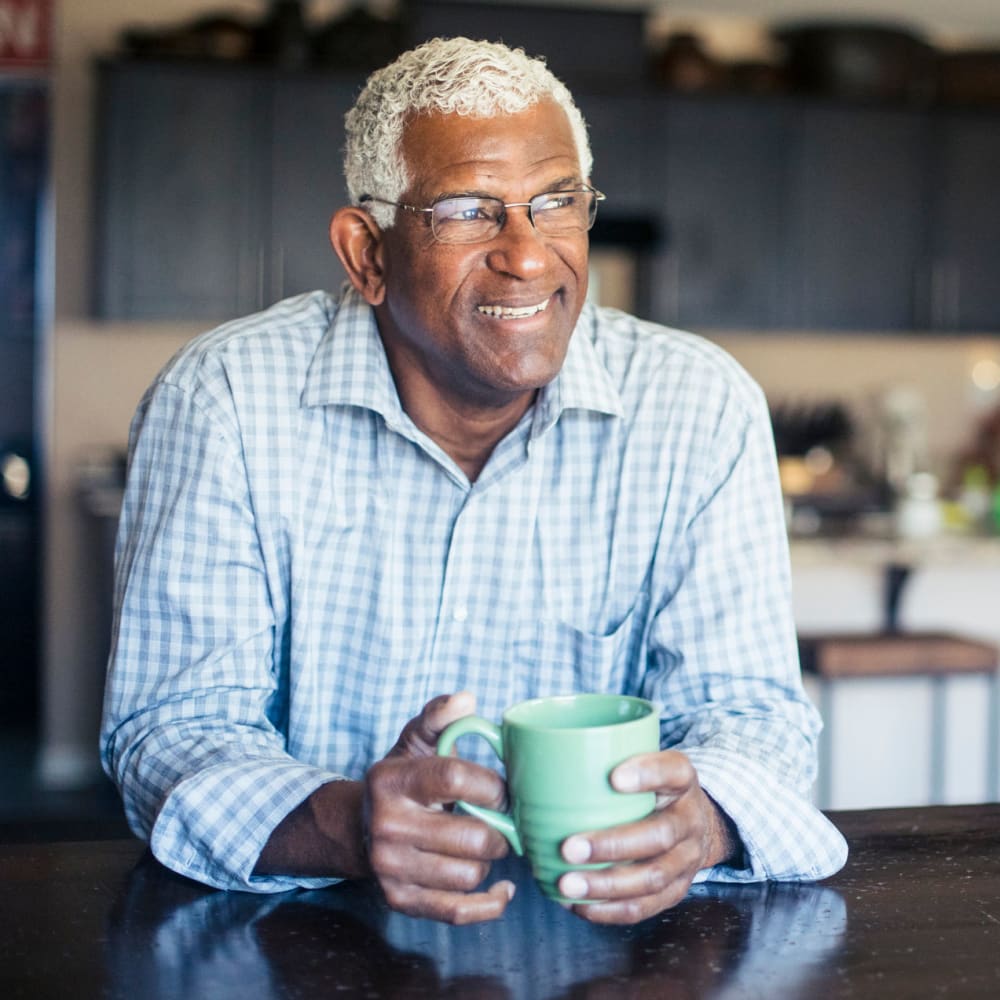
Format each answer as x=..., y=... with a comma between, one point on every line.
x=558, y=212
x=466, y=220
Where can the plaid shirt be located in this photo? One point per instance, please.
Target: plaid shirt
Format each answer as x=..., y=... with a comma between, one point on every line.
x=299, y=569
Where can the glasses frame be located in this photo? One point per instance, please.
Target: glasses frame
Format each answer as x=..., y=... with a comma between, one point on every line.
x=502, y=219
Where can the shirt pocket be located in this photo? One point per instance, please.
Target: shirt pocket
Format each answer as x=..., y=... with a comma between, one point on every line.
x=552, y=657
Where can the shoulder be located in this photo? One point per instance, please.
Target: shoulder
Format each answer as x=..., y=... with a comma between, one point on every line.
x=282, y=338
x=673, y=368
x=257, y=363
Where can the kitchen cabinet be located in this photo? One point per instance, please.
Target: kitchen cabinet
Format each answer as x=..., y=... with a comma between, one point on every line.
x=619, y=125
x=181, y=220
x=216, y=184
x=787, y=214
x=722, y=183
x=306, y=182
x=856, y=235
x=964, y=255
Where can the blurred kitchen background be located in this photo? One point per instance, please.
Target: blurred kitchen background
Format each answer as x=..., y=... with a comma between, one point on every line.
x=812, y=185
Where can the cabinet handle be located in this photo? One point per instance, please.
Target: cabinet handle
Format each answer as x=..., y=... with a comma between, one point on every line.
x=939, y=290
x=673, y=284
x=955, y=296
x=278, y=278
x=260, y=278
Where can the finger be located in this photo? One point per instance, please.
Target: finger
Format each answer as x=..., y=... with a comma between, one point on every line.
x=441, y=833
x=437, y=781
x=450, y=907
x=631, y=911
x=647, y=838
x=404, y=804
x=420, y=735
x=405, y=864
x=669, y=773
x=630, y=881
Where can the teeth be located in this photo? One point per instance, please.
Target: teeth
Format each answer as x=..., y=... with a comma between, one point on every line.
x=521, y=312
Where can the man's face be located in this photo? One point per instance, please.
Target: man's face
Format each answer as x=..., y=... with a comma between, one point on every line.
x=483, y=324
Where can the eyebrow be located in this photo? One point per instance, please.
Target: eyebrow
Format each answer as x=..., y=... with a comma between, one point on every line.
x=562, y=184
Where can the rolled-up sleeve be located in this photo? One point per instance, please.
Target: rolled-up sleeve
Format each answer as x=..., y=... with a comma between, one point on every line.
x=193, y=708
x=725, y=660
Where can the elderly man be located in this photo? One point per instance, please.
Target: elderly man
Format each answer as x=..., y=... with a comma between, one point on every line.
x=454, y=485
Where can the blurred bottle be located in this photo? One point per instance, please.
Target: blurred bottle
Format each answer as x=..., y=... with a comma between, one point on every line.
x=918, y=512
x=975, y=498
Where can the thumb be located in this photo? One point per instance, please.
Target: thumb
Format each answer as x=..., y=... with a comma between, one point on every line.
x=420, y=735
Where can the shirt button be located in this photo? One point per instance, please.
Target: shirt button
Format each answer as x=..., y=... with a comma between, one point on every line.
x=461, y=613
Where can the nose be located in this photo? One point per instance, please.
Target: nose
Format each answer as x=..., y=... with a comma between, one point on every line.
x=518, y=249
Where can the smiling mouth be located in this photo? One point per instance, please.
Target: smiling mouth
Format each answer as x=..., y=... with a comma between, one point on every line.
x=514, y=312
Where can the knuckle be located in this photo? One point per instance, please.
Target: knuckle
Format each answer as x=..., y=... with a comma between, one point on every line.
x=384, y=860
x=655, y=879
x=468, y=875
x=665, y=835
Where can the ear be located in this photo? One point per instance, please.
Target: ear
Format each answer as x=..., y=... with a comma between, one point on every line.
x=357, y=241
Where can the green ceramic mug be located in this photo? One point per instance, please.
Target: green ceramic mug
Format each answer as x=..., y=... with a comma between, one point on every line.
x=559, y=753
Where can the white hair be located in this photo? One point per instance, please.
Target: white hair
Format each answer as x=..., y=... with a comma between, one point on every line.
x=444, y=76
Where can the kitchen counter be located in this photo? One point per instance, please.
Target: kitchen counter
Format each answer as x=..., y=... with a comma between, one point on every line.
x=881, y=551
x=913, y=914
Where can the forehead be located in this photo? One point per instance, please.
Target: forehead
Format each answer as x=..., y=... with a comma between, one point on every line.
x=448, y=152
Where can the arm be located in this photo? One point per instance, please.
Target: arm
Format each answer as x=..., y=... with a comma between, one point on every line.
x=198, y=689
x=734, y=778
x=393, y=825
x=193, y=705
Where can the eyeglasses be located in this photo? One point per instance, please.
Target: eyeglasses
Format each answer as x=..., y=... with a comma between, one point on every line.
x=472, y=219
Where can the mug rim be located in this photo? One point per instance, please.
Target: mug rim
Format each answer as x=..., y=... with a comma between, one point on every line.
x=583, y=696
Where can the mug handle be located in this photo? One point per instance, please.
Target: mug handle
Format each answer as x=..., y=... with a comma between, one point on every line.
x=489, y=731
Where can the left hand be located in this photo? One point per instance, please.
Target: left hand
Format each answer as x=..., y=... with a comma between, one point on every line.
x=685, y=833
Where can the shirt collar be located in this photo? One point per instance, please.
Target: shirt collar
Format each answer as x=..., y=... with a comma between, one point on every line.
x=583, y=382
x=350, y=367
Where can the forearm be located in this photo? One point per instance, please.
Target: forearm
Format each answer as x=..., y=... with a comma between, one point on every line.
x=322, y=837
x=724, y=846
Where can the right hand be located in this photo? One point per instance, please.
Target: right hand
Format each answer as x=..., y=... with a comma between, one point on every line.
x=428, y=860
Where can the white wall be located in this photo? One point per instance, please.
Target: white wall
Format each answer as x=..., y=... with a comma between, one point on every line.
x=97, y=372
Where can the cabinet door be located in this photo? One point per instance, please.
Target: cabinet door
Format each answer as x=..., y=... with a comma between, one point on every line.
x=307, y=184
x=857, y=228
x=721, y=191
x=618, y=129
x=965, y=263
x=181, y=177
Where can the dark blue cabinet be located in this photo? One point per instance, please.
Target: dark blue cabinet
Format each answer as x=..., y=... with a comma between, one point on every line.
x=216, y=186
x=857, y=229
x=182, y=184
x=721, y=187
x=963, y=277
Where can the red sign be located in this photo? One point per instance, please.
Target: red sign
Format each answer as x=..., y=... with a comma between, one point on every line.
x=25, y=32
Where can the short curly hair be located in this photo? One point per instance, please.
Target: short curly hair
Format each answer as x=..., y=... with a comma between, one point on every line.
x=447, y=76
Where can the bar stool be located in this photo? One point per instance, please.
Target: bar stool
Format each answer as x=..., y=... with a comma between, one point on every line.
x=895, y=699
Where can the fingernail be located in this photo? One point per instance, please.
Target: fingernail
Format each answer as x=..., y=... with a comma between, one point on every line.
x=626, y=779
x=573, y=886
x=511, y=889
x=576, y=850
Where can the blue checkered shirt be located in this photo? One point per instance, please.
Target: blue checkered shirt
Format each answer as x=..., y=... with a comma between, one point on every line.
x=300, y=569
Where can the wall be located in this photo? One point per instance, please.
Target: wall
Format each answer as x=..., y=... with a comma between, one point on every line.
x=98, y=372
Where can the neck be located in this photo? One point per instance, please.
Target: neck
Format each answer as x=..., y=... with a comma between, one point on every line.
x=467, y=433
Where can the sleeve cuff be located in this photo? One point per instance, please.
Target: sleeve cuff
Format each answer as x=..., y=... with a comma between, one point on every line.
x=784, y=836
x=214, y=824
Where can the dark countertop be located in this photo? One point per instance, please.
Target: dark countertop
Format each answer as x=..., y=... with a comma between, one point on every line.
x=916, y=913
